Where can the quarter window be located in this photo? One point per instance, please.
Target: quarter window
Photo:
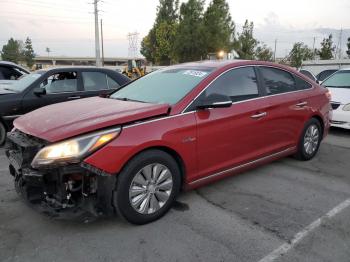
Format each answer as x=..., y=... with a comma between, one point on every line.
x=94, y=81
x=302, y=84
x=112, y=84
x=60, y=83
x=277, y=81
x=238, y=84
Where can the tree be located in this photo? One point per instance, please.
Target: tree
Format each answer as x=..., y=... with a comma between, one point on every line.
x=246, y=43
x=165, y=37
x=299, y=53
x=218, y=27
x=148, y=46
x=167, y=11
x=157, y=46
x=327, y=48
x=348, y=45
x=189, y=42
x=28, y=52
x=12, y=51
x=263, y=53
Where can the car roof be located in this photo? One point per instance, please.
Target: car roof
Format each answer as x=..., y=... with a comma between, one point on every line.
x=218, y=64
x=344, y=69
x=8, y=63
x=73, y=68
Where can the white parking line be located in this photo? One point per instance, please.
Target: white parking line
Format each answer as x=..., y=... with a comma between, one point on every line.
x=283, y=249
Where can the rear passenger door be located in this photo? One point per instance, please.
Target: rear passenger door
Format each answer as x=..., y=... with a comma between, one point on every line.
x=287, y=106
x=97, y=83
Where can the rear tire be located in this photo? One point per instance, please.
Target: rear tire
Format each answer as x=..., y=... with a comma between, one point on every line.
x=147, y=187
x=2, y=134
x=310, y=140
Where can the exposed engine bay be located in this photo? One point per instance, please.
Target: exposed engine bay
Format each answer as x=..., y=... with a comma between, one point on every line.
x=69, y=191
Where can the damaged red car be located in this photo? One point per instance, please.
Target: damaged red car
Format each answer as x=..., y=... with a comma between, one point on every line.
x=177, y=128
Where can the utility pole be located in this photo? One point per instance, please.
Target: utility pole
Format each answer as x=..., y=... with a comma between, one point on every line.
x=313, y=49
x=274, y=53
x=103, y=55
x=97, y=40
x=340, y=42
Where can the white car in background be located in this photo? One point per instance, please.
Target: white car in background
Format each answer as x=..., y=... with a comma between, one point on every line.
x=339, y=86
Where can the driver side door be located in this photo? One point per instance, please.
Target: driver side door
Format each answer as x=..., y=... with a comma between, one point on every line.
x=59, y=87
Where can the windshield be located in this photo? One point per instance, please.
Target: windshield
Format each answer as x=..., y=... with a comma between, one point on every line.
x=23, y=82
x=340, y=79
x=166, y=86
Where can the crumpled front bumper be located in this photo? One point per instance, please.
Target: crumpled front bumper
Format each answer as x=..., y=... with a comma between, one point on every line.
x=76, y=191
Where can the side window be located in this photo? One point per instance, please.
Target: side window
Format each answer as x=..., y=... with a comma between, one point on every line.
x=238, y=84
x=8, y=73
x=302, y=84
x=94, y=81
x=112, y=84
x=60, y=83
x=277, y=81
x=2, y=75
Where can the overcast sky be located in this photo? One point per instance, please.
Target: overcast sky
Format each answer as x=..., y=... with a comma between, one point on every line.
x=67, y=26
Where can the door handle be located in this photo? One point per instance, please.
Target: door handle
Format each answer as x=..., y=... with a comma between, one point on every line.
x=74, y=97
x=259, y=115
x=301, y=104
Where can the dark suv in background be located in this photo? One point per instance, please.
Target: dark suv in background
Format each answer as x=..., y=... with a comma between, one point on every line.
x=11, y=71
x=45, y=87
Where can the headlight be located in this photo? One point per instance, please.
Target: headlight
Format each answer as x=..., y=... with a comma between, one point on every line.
x=346, y=107
x=73, y=150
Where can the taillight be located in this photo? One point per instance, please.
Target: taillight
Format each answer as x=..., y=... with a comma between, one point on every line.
x=329, y=95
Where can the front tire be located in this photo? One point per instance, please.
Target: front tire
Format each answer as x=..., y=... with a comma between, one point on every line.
x=310, y=140
x=2, y=134
x=147, y=187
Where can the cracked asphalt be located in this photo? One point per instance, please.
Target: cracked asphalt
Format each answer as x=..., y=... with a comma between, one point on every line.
x=242, y=218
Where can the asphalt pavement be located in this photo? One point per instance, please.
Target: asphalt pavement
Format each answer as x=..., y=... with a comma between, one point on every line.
x=284, y=211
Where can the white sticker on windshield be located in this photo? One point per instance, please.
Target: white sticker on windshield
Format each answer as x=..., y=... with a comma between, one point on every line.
x=195, y=73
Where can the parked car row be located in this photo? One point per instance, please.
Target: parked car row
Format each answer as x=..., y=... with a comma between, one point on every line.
x=320, y=76
x=180, y=127
x=45, y=87
x=339, y=86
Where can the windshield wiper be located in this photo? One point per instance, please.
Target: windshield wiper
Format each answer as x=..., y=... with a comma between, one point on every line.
x=9, y=89
x=128, y=99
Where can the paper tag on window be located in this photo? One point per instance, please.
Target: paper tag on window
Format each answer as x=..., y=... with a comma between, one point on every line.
x=195, y=73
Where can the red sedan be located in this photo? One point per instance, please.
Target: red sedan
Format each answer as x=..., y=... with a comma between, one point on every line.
x=177, y=128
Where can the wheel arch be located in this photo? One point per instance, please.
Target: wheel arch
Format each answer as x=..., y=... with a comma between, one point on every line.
x=319, y=119
x=173, y=153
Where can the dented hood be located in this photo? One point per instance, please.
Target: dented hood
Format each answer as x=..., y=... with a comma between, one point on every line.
x=60, y=121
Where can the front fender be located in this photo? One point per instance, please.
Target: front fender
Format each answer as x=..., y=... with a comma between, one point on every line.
x=177, y=133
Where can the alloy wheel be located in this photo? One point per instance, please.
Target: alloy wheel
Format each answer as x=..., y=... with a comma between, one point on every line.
x=311, y=139
x=150, y=188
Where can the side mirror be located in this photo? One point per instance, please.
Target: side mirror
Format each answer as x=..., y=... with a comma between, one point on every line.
x=104, y=95
x=215, y=101
x=39, y=91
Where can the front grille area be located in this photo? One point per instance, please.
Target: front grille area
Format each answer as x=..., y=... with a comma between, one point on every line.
x=335, y=105
x=23, y=147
